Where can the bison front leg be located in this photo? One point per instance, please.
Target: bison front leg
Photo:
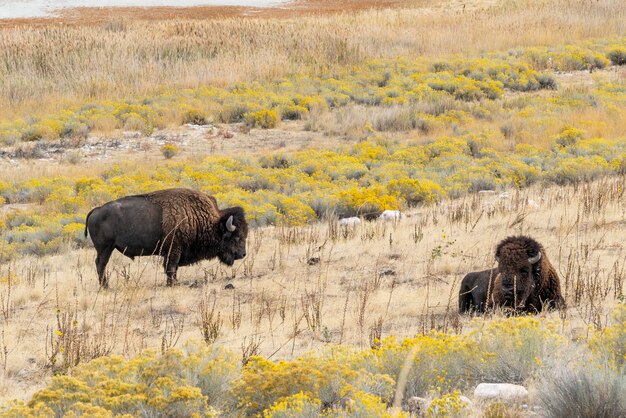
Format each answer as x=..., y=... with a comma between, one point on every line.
x=170, y=264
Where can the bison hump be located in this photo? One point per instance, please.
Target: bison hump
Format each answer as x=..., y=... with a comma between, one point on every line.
x=185, y=211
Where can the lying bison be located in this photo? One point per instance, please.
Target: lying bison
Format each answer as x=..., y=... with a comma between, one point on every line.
x=181, y=225
x=523, y=280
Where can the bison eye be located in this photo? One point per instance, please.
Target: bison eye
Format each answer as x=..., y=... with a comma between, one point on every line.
x=524, y=271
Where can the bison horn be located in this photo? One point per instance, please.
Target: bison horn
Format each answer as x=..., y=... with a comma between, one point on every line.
x=534, y=259
x=229, y=224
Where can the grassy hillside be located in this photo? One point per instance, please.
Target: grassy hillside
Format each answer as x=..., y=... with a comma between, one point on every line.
x=48, y=69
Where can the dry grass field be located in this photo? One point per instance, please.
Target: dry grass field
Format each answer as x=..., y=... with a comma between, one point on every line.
x=300, y=289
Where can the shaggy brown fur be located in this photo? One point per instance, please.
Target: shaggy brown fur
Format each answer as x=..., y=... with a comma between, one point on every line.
x=516, y=282
x=520, y=284
x=182, y=225
x=187, y=216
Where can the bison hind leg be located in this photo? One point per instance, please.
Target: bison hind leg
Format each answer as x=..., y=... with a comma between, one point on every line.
x=101, y=263
x=170, y=264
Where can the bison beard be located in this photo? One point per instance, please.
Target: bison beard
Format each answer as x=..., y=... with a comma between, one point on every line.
x=524, y=280
x=181, y=225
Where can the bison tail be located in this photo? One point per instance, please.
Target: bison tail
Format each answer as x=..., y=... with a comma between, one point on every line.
x=86, y=219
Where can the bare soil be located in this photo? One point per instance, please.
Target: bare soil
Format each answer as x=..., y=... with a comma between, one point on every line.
x=98, y=15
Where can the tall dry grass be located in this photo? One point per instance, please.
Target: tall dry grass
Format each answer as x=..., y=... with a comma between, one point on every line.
x=51, y=68
x=304, y=288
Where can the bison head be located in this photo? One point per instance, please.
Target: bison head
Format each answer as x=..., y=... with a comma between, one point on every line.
x=518, y=267
x=233, y=231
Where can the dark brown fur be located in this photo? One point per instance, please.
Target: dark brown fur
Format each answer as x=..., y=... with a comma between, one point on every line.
x=475, y=288
x=182, y=225
x=515, y=283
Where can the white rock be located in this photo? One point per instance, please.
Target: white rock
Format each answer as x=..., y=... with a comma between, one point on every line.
x=486, y=192
x=390, y=215
x=505, y=392
x=353, y=221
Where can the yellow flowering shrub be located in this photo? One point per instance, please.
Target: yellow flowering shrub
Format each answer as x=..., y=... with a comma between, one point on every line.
x=174, y=384
x=437, y=363
x=568, y=170
x=516, y=348
x=448, y=406
x=294, y=211
x=369, y=203
x=569, y=136
x=415, y=192
x=295, y=406
x=169, y=150
x=18, y=409
x=264, y=119
x=610, y=342
x=325, y=378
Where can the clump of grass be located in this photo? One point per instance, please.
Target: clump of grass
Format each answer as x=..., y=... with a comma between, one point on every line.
x=293, y=112
x=617, y=55
x=585, y=392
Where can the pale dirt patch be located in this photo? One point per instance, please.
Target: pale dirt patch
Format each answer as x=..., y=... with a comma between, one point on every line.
x=56, y=158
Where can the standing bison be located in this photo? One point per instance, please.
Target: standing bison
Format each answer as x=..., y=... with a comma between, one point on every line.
x=181, y=225
x=523, y=280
